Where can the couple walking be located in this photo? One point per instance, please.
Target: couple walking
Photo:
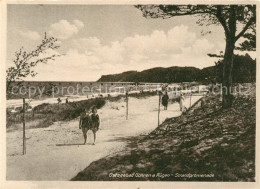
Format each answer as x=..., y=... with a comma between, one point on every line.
x=89, y=120
x=165, y=99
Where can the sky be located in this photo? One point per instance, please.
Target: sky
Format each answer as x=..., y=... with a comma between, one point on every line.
x=98, y=40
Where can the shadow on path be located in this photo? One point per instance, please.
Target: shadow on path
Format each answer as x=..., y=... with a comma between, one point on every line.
x=71, y=144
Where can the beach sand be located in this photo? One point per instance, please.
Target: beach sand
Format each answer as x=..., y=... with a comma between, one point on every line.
x=58, y=153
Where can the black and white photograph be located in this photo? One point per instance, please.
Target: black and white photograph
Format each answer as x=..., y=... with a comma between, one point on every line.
x=158, y=92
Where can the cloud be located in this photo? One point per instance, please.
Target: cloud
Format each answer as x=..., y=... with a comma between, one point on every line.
x=86, y=44
x=78, y=23
x=64, y=29
x=29, y=34
x=88, y=58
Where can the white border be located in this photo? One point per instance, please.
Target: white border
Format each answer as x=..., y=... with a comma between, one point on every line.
x=105, y=184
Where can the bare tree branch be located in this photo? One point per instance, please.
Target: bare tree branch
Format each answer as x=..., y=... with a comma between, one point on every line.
x=24, y=61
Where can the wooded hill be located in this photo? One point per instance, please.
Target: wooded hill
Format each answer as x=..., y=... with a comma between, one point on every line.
x=244, y=70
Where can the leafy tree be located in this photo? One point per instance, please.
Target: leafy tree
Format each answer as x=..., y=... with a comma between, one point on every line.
x=249, y=44
x=228, y=16
x=24, y=62
x=244, y=70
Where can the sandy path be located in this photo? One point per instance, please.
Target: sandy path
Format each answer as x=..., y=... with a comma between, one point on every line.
x=57, y=153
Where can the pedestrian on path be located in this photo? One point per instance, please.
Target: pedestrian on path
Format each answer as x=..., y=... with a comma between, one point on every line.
x=181, y=102
x=165, y=99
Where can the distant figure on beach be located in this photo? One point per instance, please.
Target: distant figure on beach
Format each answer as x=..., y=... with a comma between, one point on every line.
x=89, y=121
x=181, y=101
x=59, y=100
x=67, y=100
x=165, y=99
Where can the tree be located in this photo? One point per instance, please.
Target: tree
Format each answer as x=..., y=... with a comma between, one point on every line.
x=249, y=44
x=24, y=62
x=244, y=70
x=228, y=16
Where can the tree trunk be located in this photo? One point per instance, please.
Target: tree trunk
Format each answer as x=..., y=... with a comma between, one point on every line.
x=126, y=97
x=227, y=97
x=159, y=108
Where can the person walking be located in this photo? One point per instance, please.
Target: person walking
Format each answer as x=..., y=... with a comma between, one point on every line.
x=181, y=102
x=95, y=122
x=165, y=99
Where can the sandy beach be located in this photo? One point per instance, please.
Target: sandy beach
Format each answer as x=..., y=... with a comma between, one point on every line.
x=58, y=153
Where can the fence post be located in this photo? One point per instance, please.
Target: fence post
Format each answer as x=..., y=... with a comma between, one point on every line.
x=159, y=108
x=126, y=95
x=190, y=99
x=24, y=139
